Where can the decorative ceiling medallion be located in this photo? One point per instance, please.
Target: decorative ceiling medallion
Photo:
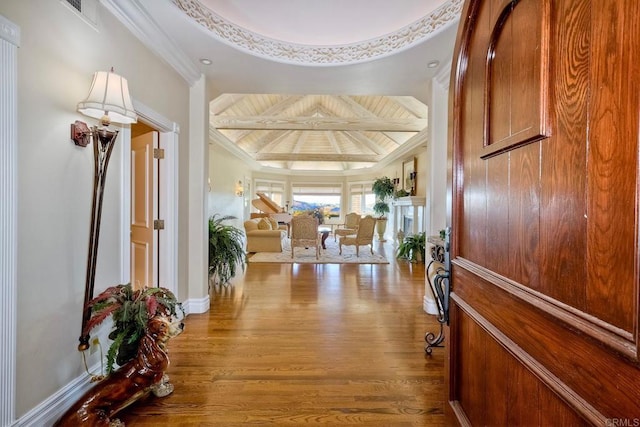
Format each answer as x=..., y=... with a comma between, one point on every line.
x=299, y=54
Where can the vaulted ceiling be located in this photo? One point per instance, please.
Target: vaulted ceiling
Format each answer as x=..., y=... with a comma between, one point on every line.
x=318, y=132
x=283, y=74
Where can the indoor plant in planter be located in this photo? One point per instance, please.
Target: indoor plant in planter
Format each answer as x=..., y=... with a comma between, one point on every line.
x=383, y=189
x=226, y=249
x=413, y=248
x=131, y=310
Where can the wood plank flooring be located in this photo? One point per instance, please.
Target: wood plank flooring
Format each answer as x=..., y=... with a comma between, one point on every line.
x=299, y=344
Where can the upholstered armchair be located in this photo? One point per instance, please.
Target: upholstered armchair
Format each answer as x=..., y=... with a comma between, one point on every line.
x=350, y=226
x=363, y=237
x=304, y=233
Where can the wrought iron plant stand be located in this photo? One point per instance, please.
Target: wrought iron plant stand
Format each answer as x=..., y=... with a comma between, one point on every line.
x=441, y=287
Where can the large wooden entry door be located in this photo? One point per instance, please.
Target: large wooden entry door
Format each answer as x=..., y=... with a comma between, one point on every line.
x=545, y=271
x=143, y=210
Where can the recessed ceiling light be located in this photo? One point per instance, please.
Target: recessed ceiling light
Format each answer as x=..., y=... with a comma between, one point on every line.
x=205, y=61
x=433, y=64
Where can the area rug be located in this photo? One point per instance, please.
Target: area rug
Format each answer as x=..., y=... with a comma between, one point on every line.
x=327, y=256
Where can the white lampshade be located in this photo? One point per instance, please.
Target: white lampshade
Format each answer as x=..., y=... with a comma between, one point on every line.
x=109, y=95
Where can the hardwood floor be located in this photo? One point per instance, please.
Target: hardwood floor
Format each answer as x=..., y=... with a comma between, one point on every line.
x=294, y=344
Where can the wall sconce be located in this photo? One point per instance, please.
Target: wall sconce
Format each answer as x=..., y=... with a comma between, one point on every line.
x=109, y=101
x=239, y=189
x=412, y=178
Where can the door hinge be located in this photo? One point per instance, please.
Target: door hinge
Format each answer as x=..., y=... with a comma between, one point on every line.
x=158, y=153
x=158, y=224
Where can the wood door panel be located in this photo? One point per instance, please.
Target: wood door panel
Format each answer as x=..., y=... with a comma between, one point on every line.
x=501, y=391
x=545, y=242
x=612, y=167
x=498, y=214
x=585, y=368
x=473, y=243
x=142, y=210
x=563, y=219
x=524, y=211
x=516, y=87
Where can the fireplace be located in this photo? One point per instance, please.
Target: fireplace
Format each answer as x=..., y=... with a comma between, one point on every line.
x=407, y=225
x=408, y=215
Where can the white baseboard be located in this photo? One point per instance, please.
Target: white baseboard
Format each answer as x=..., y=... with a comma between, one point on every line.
x=196, y=305
x=47, y=412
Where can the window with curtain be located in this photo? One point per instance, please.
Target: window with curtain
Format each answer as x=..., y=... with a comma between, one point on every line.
x=323, y=199
x=361, y=198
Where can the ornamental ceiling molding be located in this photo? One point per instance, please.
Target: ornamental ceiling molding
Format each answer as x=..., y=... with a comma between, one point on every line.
x=300, y=54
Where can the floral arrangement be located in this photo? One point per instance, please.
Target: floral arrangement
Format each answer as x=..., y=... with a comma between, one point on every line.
x=131, y=310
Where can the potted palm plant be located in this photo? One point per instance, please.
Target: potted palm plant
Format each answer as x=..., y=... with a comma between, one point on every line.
x=383, y=189
x=225, y=249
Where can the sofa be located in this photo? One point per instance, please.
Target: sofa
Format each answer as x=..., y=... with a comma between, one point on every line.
x=264, y=235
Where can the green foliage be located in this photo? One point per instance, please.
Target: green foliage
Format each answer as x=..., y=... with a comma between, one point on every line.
x=413, y=248
x=225, y=249
x=383, y=189
x=381, y=208
x=130, y=310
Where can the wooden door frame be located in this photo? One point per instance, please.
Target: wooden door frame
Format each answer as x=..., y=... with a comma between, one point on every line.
x=168, y=251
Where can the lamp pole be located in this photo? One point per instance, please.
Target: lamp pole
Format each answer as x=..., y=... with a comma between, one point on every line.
x=108, y=100
x=103, y=143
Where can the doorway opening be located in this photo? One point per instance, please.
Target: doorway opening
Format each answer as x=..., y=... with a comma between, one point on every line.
x=146, y=225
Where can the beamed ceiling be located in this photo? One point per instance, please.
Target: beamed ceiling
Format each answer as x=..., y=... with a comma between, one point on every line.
x=318, y=132
x=288, y=71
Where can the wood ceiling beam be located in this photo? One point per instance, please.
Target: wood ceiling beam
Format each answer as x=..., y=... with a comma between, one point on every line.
x=319, y=123
x=318, y=157
x=302, y=139
x=336, y=147
x=223, y=102
x=276, y=108
x=361, y=111
x=269, y=137
x=362, y=139
x=411, y=104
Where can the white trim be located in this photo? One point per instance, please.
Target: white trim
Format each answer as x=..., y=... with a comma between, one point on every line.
x=168, y=192
x=9, y=32
x=444, y=77
x=48, y=411
x=156, y=185
x=134, y=16
x=196, y=305
x=9, y=43
x=125, y=191
x=321, y=55
x=434, y=215
x=169, y=211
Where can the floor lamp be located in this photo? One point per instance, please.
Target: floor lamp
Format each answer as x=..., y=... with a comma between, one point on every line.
x=108, y=101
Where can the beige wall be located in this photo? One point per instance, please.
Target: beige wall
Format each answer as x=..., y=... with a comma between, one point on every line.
x=225, y=170
x=58, y=55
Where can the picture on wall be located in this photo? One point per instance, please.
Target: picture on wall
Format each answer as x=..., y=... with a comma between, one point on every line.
x=409, y=176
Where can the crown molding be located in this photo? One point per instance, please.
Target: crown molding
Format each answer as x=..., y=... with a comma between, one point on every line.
x=9, y=31
x=444, y=76
x=134, y=16
x=298, y=54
